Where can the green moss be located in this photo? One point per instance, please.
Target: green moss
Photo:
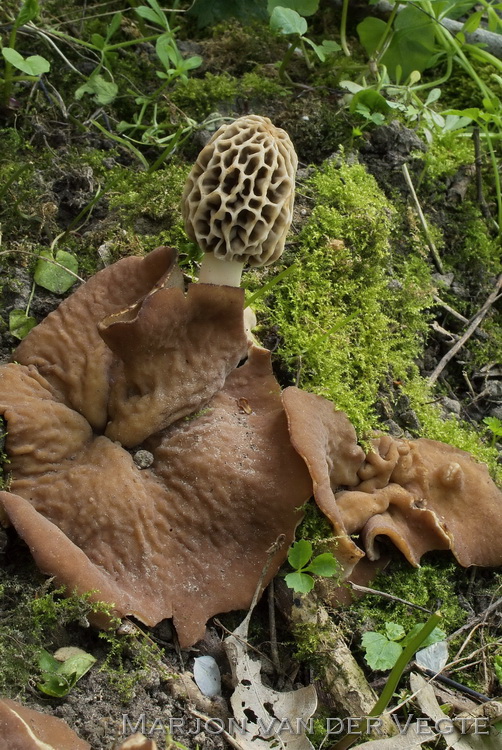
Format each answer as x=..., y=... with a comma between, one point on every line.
x=309, y=644
x=444, y=156
x=345, y=319
x=33, y=617
x=130, y=661
x=198, y=97
x=435, y=586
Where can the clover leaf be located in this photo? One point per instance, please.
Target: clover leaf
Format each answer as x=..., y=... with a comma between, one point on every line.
x=299, y=557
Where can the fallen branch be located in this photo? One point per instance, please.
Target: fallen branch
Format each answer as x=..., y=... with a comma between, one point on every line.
x=475, y=321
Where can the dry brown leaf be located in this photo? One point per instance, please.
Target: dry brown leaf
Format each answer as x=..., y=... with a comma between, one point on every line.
x=267, y=715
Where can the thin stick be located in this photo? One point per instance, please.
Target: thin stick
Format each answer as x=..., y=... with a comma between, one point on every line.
x=478, y=619
x=209, y=720
x=274, y=652
x=476, y=320
x=423, y=222
x=365, y=590
x=449, y=309
x=479, y=178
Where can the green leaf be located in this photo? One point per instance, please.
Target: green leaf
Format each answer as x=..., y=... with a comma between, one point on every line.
x=32, y=66
x=299, y=582
x=472, y=23
x=20, y=324
x=29, y=11
x=287, y=21
x=114, y=25
x=60, y=676
x=381, y=653
x=154, y=15
x=394, y=631
x=436, y=635
x=370, y=32
x=210, y=12
x=104, y=91
x=98, y=40
x=412, y=46
x=433, y=96
x=52, y=277
x=47, y=663
x=303, y=7
x=192, y=62
x=370, y=99
x=494, y=425
x=299, y=554
x=324, y=565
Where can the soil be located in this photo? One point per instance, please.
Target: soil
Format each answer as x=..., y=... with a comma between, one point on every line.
x=62, y=185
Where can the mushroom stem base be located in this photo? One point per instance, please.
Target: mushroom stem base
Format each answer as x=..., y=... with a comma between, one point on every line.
x=216, y=271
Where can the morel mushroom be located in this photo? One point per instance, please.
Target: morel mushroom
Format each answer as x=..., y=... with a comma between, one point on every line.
x=238, y=199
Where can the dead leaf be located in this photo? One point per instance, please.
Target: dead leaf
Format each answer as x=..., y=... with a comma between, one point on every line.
x=444, y=724
x=268, y=718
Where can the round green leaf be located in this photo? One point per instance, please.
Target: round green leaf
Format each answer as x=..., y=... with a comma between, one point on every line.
x=324, y=565
x=303, y=7
x=55, y=278
x=394, y=631
x=20, y=324
x=287, y=21
x=300, y=582
x=32, y=66
x=381, y=653
x=299, y=554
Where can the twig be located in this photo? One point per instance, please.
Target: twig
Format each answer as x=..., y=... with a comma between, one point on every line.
x=479, y=177
x=208, y=720
x=273, y=630
x=449, y=309
x=475, y=321
x=452, y=683
x=423, y=222
x=365, y=590
x=478, y=619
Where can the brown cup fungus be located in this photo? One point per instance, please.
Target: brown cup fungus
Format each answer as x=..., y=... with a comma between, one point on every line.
x=132, y=361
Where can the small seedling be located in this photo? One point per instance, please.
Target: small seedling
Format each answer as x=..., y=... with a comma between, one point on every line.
x=61, y=674
x=290, y=23
x=299, y=557
x=31, y=67
x=383, y=651
x=495, y=426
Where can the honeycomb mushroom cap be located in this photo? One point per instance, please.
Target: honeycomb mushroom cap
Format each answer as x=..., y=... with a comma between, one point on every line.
x=238, y=199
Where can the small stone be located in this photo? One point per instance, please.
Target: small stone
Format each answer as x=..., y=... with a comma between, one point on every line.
x=410, y=420
x=445, y=279
x=393, y=428
x=451, y=406
x=493, y=390
x=496, y=412
x=143, y=459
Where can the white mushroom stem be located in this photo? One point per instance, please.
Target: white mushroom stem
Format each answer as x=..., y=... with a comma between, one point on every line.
x=216, y=271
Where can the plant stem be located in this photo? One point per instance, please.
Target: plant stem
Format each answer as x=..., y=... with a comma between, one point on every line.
x=496, y=174
x=287, y=57
x=381, y=46
x=343, y=28
x=393, y=679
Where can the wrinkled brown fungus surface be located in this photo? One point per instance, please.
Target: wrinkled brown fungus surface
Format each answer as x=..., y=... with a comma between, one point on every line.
x=425, y=495
x=188, y=537
x=22, y=728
